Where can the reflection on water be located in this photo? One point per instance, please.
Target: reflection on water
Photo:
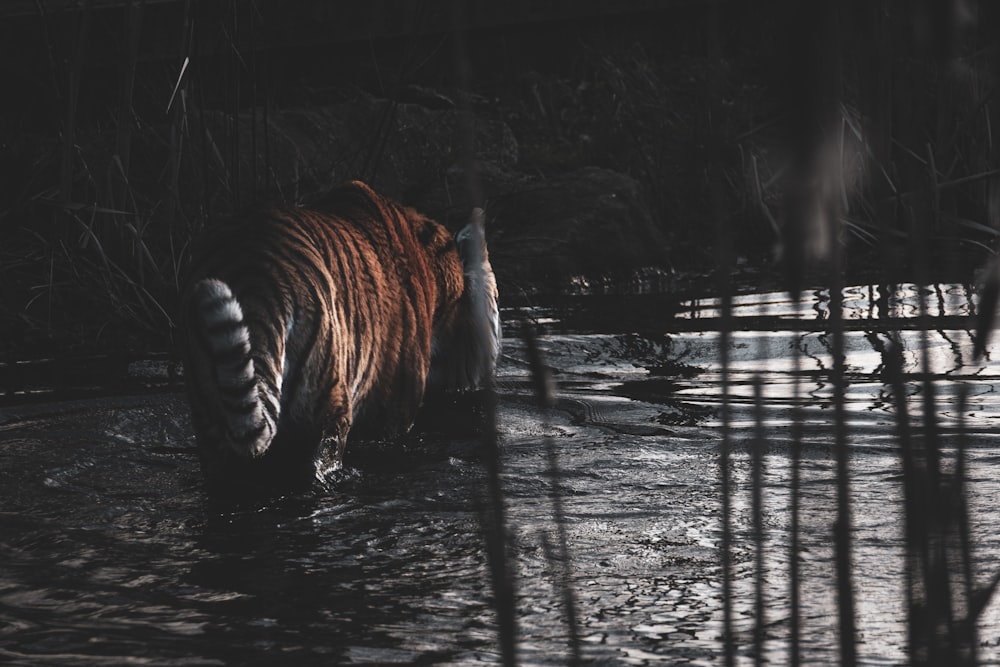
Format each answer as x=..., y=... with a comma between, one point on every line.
x=110, y=551
x=864, y=302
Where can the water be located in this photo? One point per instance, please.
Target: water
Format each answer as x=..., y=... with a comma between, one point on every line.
x=110, y=552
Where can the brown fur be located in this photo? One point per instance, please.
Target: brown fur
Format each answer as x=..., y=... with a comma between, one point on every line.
x=339, y=306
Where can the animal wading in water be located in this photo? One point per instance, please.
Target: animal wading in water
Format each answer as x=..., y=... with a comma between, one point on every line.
x=303, y=325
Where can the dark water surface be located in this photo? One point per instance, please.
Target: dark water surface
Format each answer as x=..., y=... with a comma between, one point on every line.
x=110, y=552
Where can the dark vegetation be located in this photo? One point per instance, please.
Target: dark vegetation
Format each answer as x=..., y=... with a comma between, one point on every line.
x=605, y=140
x=840, y=141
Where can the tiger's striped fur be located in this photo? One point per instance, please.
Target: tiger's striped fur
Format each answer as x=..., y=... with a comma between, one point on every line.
x=302, y=325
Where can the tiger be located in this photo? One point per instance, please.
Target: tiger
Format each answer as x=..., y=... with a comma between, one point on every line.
x=303, y=325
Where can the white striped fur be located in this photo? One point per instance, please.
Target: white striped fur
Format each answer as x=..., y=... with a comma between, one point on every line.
x=250, y=427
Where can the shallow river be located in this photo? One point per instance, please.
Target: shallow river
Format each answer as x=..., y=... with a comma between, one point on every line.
x=110, y=552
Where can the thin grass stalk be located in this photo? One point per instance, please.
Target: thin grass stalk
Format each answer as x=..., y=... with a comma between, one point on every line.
x=969, y=631
x=271, y=179
x=922, y=262
x=812, y=84
x=937, y=610
x=876, y=90
x=254, y=171
x=560, y=556
x=725, y=444
x=914, y=499
x=179, y=118
x=176, y=154
x=758, y=448
x=50, y=291
x=378, y=143
x=843, y=526
x=123, y=134
x=13, y=373
x=67, y=169
x=795, y=629
x=494, y=519
x=194, y=33
x=939, y=600
x=757, y=510
x=234, y=104
x=43, y=16
x=725, y=264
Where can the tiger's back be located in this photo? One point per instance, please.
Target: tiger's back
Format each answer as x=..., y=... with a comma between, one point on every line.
x=302, y=325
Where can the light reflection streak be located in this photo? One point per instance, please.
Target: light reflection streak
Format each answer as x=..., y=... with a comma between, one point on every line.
x=860, y=302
